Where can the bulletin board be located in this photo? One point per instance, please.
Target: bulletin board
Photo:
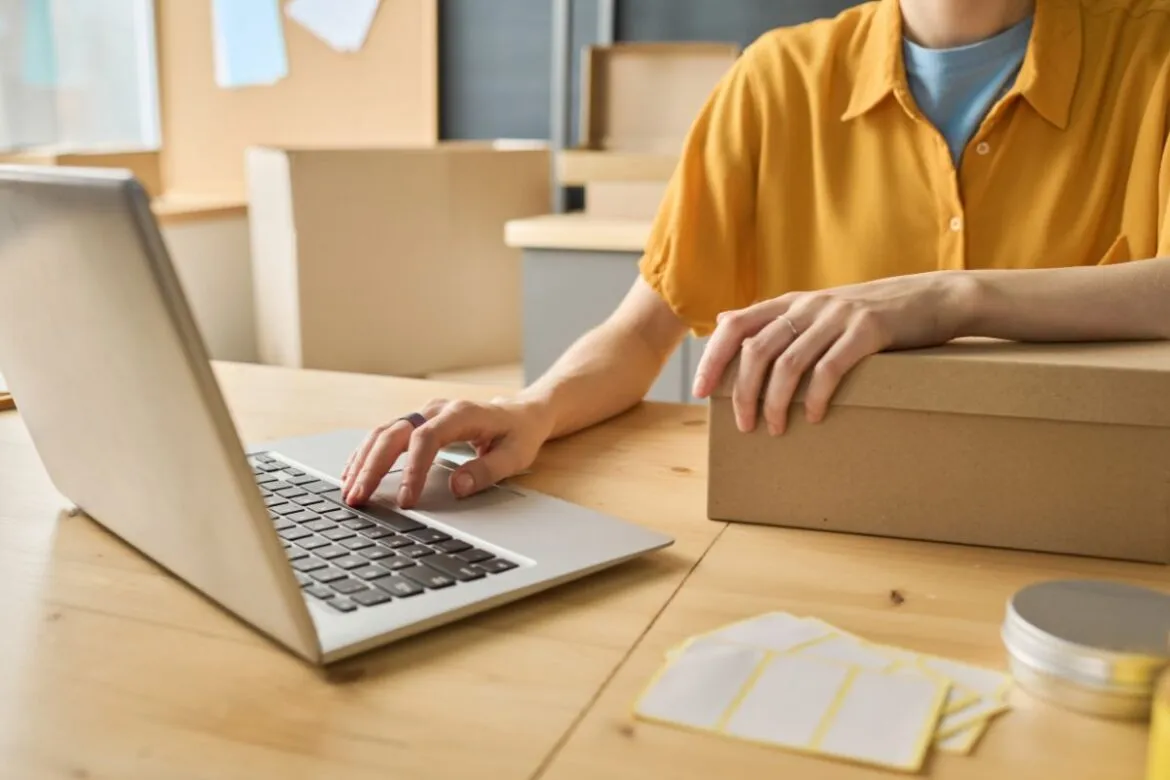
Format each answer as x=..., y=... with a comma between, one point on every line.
x=384, y=94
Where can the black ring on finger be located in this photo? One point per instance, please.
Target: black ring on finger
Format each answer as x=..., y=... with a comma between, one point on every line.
x=415, y=419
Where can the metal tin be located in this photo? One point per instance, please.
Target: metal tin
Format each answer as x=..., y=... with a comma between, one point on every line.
x=1093, y=647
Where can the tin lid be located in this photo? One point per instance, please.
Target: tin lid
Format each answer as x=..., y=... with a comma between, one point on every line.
x=1101, y=635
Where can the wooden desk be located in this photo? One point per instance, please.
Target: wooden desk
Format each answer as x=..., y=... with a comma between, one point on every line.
x=954, y=605
x=577, y=269
x=110, y=668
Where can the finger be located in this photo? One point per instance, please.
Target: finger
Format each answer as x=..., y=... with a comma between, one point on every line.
x=358, y=457
x=358, y=460
x=382, y=455
x=856, y=343
x=792, y=365
x=756, y=358
x=730, y=332
x=458, y=422
x=504, y=461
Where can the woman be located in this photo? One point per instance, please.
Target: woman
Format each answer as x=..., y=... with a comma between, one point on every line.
x=904, y=174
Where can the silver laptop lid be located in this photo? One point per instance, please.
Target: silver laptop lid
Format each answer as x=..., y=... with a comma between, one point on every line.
x=112, y=379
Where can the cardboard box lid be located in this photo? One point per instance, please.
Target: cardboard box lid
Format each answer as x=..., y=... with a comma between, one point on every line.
x=1124, y=383
x=644, y=97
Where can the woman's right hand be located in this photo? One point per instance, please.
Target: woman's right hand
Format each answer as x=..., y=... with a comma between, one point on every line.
x=507, y=435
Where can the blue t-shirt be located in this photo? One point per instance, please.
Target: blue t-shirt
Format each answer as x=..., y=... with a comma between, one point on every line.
x=955, y=88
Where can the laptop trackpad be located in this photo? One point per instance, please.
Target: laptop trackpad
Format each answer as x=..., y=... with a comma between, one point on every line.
x=438, y=499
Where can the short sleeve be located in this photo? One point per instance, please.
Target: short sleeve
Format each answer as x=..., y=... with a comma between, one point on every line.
x=1164, y=203
x=701, y=254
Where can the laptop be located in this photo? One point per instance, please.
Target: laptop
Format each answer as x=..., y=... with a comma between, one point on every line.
x=113, y=381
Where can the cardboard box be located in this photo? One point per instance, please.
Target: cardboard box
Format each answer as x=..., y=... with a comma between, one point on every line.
x=1054, y=448
x=143, y=163
x=638, y=102
x=391, y=261
x=624, y=199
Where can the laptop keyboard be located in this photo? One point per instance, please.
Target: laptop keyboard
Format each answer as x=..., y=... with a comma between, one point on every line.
x=348, y=559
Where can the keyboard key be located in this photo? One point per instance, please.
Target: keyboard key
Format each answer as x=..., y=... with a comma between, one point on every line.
x=342, y=604
x=294, y=533
x=320, y=591
x=271, y=501
x=286, y=509
x=328, y=575
x=294, y=472
x=285, y=544
x=400, y=587
x=341, y=514
x=262, y=457
x=320, y=526
x=375, y=553
x=377, y=532
x=299, y=478
x=473, y=555
x=464, y=572
x=350, y=561
x=338, y=534
x=309, y=565
x=496, y=566
x=270, y=467
x=309, y=501
x=283, y=524
x=295, y=553
x=428, y=536
x=396, y=542
x=452, y=546
x=397, y=563
x=353, y=523
x=356, y=543
x=416, y=551
x=303, y=516
x=348, y=587
x=427, y=577
x=331, y=552
x=266, y=479
x=400, y=523
x=370, y=572
x=319, y=487
x=290, y=492
x=313, y=543
x=372, y=598
x=303, y=579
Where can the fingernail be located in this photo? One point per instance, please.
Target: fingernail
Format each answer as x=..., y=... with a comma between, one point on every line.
x=464, y=484
x=773, y=430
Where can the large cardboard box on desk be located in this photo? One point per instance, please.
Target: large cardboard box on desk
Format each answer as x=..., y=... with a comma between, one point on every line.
x=391, y=261
x=1055, y=448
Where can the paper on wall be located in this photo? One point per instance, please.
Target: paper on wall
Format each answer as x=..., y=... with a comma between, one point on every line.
x=248, y=40
x=342, y=24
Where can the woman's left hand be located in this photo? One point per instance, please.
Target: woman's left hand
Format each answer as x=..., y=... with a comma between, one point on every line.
x=827, y=333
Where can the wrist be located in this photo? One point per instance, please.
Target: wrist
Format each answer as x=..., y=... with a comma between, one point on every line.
x=537, y=406
x=966, y=298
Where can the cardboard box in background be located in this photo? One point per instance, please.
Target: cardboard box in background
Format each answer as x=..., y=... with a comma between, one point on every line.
x=639, y=101
x=391, y=261
x=144, y=164
x=1054, y=448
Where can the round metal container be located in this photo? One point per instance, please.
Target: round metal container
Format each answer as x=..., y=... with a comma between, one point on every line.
x=1093, y=647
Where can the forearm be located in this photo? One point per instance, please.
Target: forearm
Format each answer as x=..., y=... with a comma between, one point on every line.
x=1129, y=301
x=607, y=371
